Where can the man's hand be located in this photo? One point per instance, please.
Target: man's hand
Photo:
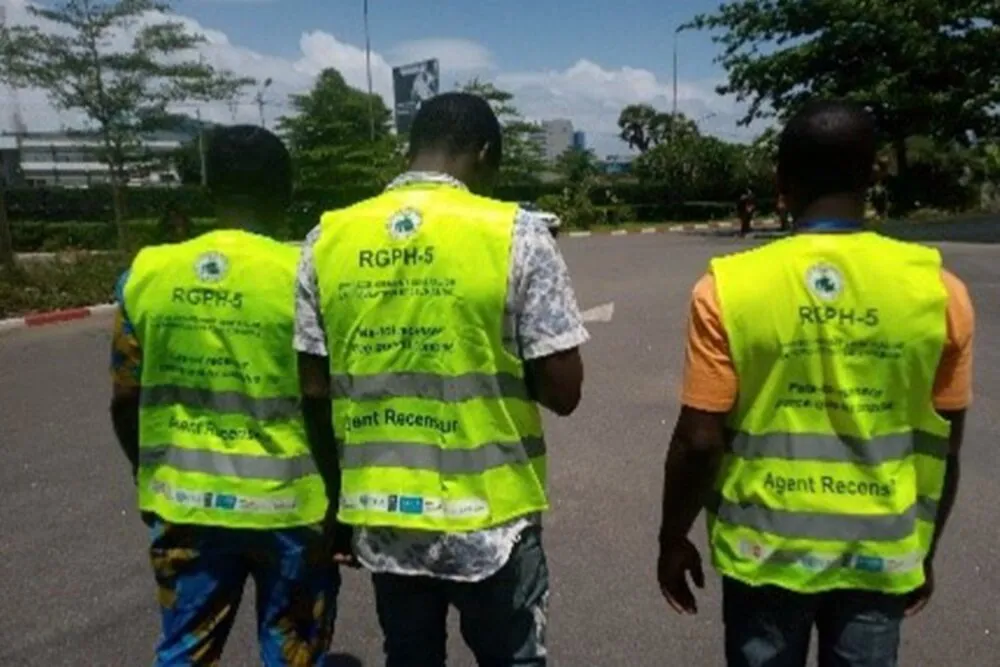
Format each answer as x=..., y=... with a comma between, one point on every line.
x=920, y=598
x=340, y=538
x=675, y=562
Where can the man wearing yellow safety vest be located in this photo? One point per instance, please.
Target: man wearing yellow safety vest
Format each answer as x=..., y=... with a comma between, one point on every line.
x=206, y=407
x=826, y=382
x=433, y=321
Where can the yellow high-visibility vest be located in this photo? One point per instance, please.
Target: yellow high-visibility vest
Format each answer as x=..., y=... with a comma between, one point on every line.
x=222, y=441
x=836, y=463
x=437, y=428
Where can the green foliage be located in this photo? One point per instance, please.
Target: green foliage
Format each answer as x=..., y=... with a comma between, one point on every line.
x=695, y=167
x=923, y=67
x=576, y=165
x=94, y=203
x=523, y=160
x=120, y=89
x=642, y=127
x=71, y=281
x=330, y=136
x=62, y=236
x=898, y=56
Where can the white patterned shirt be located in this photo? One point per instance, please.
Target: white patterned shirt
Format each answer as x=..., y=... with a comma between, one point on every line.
x=541, y=318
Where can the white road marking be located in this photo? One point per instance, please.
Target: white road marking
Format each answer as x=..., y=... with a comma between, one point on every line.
x=602, y=313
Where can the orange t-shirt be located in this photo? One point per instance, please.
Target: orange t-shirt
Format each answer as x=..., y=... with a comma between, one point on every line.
x=711, y=384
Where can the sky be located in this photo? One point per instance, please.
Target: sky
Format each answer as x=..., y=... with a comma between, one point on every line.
x=560, y=59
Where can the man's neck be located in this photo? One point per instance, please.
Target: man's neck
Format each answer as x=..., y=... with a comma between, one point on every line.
x=835, y=208
x=436, y=164
x=248, y=221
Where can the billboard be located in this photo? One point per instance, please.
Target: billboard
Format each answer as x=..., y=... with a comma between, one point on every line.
x=412, y=84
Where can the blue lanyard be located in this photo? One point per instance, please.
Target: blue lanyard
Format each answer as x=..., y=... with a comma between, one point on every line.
x=831, y=226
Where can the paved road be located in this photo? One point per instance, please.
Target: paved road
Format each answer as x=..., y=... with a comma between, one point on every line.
x=75, y=588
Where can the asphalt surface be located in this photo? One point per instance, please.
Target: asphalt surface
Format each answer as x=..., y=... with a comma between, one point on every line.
x=76, y=588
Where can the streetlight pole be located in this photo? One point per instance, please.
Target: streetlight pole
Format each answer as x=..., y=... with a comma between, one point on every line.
x=676, y=36
x=368, y=71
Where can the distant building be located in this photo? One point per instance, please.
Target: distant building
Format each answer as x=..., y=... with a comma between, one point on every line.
x=10, y=162
x=74, y=160
x=555, y=137
x=580, y=140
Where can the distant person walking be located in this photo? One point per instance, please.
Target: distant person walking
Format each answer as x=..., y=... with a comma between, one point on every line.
x=206, y=407
x=746, y=206
x=432, y=322
x=825, y=391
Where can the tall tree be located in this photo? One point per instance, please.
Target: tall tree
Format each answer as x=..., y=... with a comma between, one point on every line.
x=923, y=67
x=576, y=165
x=330, y=135
x=120, y=63
x=523, y=160
x=642, y=127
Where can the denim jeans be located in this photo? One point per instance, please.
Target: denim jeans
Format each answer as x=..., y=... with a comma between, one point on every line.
x=502, y=618
x=771, y=627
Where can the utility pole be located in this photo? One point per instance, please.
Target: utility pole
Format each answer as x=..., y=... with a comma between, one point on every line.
x=368, y=70
x=676, y=35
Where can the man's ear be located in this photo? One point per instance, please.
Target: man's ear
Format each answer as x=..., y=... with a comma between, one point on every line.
x=484, y=153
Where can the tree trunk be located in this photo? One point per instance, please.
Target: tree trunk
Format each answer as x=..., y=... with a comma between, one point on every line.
x=903, y=196
x=6, y=237
x=118, y=203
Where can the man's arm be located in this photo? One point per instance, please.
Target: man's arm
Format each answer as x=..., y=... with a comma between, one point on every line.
x=125, y=421
x=556, y=381
x=549, y=325
x=317, y=411
x=693, y=460
x=952, y=475
x=126, y=371
x=697, y=446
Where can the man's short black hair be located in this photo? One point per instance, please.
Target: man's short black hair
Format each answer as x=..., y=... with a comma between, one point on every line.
x=457, y=124
x=249, y=164
x=828, y=148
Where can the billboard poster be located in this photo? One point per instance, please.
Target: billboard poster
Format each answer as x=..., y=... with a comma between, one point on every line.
x=412, y=84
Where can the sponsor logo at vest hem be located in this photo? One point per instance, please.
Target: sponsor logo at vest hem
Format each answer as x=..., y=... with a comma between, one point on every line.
x=222, y=501
x=390, y=503
x=820, y=562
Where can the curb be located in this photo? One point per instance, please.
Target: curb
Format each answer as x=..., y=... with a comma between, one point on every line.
x=659, y=229
x=55, y=317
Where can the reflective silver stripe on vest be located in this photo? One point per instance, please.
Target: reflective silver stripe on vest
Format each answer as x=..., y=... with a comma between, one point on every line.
x=228, y=465
x=822, y=526
x=263, y=409
x=444, y=388
x=837, y=448
x=413, y=456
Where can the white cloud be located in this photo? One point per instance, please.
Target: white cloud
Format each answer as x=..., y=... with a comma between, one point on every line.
x=587, y=93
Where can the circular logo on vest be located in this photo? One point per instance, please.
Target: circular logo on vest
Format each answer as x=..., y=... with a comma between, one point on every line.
x=404, y=224
x=825, y=281
x=211, y=267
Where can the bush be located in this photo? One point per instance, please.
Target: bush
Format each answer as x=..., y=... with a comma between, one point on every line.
x=70, y=281
x=94, y=204
x=60, y=236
